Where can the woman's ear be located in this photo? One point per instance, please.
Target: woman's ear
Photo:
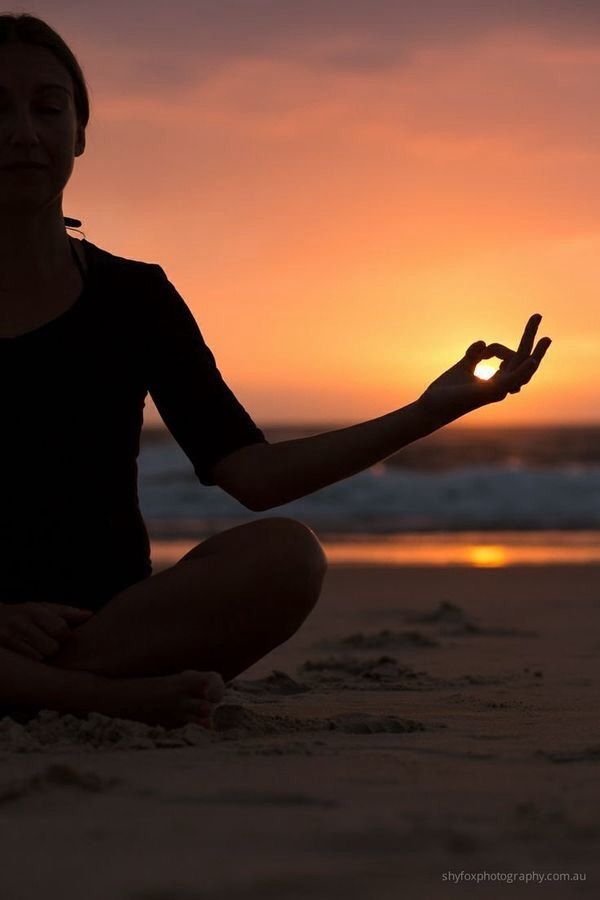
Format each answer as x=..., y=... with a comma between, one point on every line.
x=80, y=141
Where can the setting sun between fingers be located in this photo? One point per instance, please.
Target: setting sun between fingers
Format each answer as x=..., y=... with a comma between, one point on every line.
x=485, y=370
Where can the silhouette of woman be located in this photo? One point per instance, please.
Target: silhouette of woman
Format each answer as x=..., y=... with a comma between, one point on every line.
x=84, y=336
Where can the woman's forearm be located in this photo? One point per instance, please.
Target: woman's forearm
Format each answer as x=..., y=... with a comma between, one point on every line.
x=293, y=469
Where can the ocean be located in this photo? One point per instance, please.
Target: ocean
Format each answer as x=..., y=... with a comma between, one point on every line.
x=486, y=496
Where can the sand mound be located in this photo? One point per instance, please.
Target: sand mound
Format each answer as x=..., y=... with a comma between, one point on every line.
x=277, y=682
x=50, y=730
x=381, y=640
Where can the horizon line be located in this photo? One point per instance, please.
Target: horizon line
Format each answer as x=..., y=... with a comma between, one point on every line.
x=159, y=425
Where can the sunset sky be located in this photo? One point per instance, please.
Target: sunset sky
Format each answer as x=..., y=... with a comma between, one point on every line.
x=348, y=194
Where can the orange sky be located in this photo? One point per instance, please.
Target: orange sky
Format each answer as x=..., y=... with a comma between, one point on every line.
x=344, y=211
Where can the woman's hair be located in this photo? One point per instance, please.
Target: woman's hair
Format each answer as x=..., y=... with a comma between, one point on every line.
x=28, y=29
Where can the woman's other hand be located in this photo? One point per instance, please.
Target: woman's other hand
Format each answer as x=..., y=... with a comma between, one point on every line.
x=459, y=390
x=37, y=630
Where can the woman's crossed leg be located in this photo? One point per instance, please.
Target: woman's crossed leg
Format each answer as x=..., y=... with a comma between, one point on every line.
x=200, y=623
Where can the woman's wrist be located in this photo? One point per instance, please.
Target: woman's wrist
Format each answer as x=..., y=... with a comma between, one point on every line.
x=432, y=418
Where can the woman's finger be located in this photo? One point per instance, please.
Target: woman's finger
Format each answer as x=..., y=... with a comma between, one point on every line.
x=526, y=344
x=537, y=356
x=49, y=621
x=515, y=378
x=527, y=378
x=499, y=350
x=24, y=649
x=506, y=354
x=541, y=347
x=36, y=637
x=474, y=354
x=73, y=613
x=512, y=359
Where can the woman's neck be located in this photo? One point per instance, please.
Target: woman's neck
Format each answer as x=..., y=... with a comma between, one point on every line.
x=31, y=258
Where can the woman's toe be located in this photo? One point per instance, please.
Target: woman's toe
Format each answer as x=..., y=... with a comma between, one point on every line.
x=215, y=688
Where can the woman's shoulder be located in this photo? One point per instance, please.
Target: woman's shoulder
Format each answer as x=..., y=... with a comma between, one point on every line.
x=138, y=284
x=136, y=287
x=106, y=261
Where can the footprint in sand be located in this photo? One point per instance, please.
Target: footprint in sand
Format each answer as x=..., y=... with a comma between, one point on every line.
x=354, y=673
x=588, y=754
x=381, y=673
x=454, y=621
x=236, y=721
x=56, y=775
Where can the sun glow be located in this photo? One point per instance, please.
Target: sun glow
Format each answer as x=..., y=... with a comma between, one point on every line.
x=466, y=549
x=487, y=555
x=485, y=370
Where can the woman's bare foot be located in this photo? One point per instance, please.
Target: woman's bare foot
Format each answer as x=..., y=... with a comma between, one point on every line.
x=168, y=700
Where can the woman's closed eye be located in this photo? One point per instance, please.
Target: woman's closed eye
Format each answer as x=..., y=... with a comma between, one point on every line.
x=45, y=109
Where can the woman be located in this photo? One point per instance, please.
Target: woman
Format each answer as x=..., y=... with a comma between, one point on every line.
x=84, y=335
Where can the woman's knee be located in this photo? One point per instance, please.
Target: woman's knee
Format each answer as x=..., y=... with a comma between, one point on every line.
x=295, y=544
x=299, y=563
x=279, y=559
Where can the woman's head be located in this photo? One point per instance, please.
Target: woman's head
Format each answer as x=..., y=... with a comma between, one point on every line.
x=44, y=110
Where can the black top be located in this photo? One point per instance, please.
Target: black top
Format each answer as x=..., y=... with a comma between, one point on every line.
x=73, y=392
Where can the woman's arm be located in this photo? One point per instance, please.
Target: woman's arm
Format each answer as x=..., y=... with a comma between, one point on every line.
x=277, y=473
x=286, y=470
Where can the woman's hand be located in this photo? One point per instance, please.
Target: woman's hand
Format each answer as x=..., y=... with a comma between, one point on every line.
x=37, y=630
x=459, y=391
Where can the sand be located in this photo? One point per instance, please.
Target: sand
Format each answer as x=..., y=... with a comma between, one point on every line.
x=422, y=723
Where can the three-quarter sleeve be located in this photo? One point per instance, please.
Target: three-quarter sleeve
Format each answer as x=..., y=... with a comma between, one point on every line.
x=199, y=409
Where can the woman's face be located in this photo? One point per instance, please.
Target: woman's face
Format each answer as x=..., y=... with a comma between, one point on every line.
x=38, y=123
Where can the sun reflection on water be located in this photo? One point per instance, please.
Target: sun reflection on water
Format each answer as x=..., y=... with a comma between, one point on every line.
x=490, y=556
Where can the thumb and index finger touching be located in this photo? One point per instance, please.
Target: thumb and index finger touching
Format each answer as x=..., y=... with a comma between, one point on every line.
x=525, y=349
x=516, y=365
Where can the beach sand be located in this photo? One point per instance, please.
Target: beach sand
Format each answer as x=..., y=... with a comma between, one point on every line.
x=423, y=721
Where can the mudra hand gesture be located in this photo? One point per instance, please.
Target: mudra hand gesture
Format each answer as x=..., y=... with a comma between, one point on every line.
x=459, y=390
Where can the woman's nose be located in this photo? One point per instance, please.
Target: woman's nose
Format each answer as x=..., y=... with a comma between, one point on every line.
x=21, y=126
